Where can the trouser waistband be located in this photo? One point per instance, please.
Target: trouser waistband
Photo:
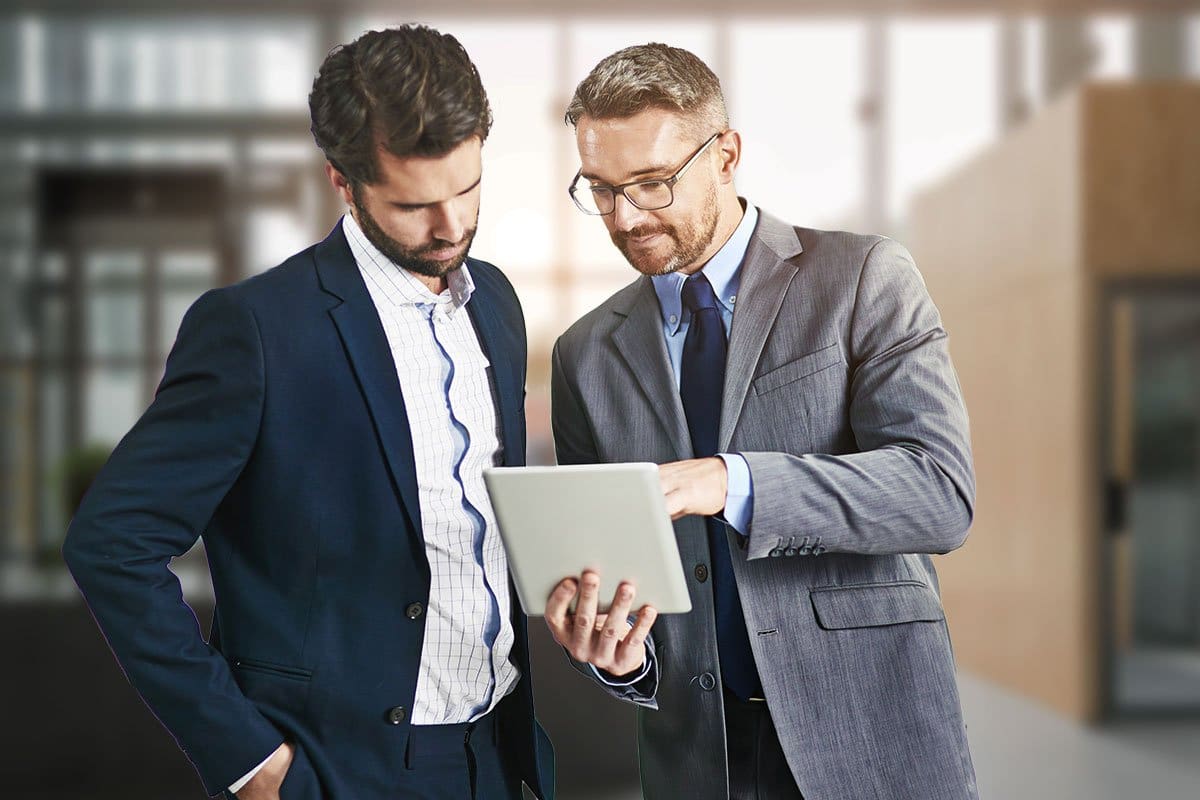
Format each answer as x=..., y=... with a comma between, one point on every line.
x=432, y=740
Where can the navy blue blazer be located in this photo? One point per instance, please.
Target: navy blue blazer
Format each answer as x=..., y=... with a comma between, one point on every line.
x=279, y=435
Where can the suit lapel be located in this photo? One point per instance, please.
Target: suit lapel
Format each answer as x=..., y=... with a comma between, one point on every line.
x=361, y=331
x=499, y=345
x=767, y=270
x=639, y=340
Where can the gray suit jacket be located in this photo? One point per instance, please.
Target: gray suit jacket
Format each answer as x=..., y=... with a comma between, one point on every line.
x=840, y=394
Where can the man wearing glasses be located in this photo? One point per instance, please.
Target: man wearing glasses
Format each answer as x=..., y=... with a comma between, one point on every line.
x=796, y=388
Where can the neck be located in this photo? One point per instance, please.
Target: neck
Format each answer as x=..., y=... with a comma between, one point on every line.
x=435, y=285
x=729, y=217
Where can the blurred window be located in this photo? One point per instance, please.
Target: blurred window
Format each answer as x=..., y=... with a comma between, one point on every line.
x=942, y=99
x=802, y=148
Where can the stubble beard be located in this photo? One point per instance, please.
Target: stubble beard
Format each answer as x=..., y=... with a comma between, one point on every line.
x=411, y=258
x=691, y=241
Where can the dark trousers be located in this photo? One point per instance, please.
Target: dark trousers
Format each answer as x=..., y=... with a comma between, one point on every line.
x=757, y=767
x=457, y=762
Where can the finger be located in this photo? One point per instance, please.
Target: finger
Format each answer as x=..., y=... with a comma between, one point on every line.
x=630, y=651
x=675, y=503
x=585, y=613
x=556, y=610
x=668, y=476
x=615, y=626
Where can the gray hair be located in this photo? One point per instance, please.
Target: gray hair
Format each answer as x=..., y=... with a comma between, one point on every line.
x=651, y=76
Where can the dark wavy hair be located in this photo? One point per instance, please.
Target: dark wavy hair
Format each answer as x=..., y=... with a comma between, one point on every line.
x=411, y=90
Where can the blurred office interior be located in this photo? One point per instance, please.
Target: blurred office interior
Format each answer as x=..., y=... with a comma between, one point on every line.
x=1041, y=161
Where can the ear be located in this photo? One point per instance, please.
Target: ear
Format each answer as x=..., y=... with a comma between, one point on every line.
x=729, y=154
x=339, y=183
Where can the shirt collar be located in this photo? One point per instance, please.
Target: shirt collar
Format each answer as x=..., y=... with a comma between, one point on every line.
x=723, y=270
x=388, y=280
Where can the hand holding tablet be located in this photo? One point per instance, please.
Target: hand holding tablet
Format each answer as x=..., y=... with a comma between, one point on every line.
x=606, y=641
x=609, y=519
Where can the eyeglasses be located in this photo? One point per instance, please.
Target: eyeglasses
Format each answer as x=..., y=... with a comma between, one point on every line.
x=651, y=195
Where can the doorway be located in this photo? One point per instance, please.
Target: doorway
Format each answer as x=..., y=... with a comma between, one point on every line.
x=1152, y=580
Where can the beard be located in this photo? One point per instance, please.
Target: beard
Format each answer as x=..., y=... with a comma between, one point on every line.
x=691, y=240
x=414, y=259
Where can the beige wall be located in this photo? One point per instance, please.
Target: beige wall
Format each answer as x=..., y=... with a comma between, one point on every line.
x=1013, y=247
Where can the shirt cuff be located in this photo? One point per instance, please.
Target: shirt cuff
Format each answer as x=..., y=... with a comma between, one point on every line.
x=632, y=678
x=629, y=680
x=240, y=784
x=739, y=493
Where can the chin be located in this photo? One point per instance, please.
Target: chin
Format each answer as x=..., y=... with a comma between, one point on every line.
x=650, y=266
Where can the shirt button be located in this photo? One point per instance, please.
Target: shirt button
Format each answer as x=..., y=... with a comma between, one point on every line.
x=701, y=573
x=396, y=715
x=708, y=682
x=414, y=610
x=674, y=319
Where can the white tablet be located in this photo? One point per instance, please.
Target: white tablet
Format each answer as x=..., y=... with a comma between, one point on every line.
x=610, y=518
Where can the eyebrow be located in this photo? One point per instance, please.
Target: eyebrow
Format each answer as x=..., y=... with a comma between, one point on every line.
x=643, y=172
x=415, y=206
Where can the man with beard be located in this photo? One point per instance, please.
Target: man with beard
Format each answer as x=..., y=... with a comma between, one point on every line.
x=796, y=387
x=324, y=427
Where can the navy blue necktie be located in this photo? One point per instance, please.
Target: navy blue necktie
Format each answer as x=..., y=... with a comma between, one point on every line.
x=701, y=382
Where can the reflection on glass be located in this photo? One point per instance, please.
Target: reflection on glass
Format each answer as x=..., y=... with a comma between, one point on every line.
x=53, y=338
x=113, y=400
x=1157, y=568
x=114, y=323
x=103, y=267
x=113, y=304
x=174, y=305
x=195, y=264
x=52, y=449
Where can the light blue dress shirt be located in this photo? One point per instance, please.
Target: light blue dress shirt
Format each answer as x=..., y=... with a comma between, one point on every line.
x=724, y=272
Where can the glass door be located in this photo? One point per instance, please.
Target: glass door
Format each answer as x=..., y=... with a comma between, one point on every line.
x=1153, y=519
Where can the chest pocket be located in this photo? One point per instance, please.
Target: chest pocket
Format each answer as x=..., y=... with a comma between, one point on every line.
x=821, y=359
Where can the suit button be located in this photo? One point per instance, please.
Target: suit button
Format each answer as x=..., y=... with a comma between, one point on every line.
x=818, y=550
x=414, y=610
x=789, y=551
x=396, y=715
x=776, y=552
x=805, y=550
x=701, y=573
x=708, y=682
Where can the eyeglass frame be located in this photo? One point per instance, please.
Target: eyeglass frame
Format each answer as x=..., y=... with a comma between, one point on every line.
x=669, y=182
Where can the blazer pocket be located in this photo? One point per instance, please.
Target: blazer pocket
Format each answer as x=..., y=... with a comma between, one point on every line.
x=828, y=356
x=273, y=686
x=875, y=604
x=267, y=668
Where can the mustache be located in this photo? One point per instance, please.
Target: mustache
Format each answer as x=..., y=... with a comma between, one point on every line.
x=622, y=237
x=441, y=244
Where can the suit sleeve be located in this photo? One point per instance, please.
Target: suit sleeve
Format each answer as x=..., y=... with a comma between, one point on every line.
x=149, y=504
x=911, y=486
x=573, y=444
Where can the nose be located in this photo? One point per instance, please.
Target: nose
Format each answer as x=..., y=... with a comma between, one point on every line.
x=447, y=224
x=626, y=215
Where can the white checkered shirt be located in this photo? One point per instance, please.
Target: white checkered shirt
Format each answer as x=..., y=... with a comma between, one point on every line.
x=465, y=666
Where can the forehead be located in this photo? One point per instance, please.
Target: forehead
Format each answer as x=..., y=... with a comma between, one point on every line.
x=617, y=150
x=422, y=179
